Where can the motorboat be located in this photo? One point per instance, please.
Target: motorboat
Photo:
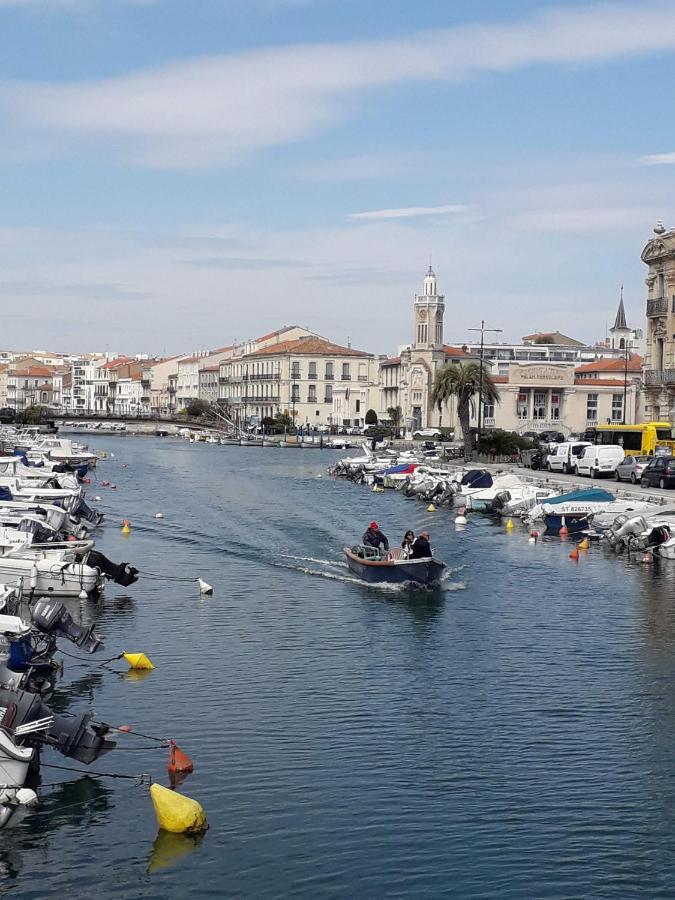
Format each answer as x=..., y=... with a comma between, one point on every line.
x=572, y=509
x=393, y=567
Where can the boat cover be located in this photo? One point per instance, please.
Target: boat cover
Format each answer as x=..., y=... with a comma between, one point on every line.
x=477, y=478
x=401, y=469
x=586, y=495
x=5, y=493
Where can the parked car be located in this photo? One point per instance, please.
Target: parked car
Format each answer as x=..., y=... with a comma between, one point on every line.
x=659, y=472
x=597, y=460
x=427, y=434
x=552, y=437
x=631, y=468
x=564, y=457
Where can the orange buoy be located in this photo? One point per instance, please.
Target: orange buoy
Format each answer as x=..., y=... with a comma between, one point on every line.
x=563, y=527
x=124, y=728
x=575, y=554
x=179, y=762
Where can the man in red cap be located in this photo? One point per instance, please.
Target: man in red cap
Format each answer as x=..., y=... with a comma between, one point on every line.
x=373, y=537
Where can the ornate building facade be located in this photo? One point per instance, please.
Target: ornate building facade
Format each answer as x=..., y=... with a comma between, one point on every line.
x=659, y=370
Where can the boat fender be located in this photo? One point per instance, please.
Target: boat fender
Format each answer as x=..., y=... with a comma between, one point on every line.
x=32, y=577
x=26, y=797
x=461, y=520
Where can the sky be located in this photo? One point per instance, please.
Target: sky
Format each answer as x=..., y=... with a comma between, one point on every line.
x=176, y=175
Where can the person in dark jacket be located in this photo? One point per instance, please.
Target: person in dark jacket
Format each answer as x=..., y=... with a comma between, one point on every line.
x=421, y=549
x=373, y=537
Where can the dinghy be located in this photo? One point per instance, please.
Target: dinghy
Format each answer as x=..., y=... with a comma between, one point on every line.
x=393, y=567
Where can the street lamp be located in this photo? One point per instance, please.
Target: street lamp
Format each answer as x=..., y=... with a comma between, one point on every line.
x=482, y=330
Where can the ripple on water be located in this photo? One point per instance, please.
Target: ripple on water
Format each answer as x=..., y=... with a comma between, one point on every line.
x=509, y=735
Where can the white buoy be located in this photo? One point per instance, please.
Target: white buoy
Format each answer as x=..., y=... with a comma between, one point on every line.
x=112, y=456
x=531, y=540
x=460, y=520
x=159, y=515
x=204, y=587
x=83, y=595
x=97, y=499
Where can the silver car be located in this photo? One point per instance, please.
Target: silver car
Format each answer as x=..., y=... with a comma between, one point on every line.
x=631, y=468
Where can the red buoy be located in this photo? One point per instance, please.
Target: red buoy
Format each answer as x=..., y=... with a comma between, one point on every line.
x=179, y=762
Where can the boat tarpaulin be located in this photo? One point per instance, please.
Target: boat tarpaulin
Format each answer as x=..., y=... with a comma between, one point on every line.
x=477, y=478
x=586, y=495
x=401, y=469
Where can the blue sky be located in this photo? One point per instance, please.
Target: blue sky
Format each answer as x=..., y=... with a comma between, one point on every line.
x=176, y=175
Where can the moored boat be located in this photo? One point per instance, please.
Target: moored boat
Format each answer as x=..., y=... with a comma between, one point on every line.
x=393, y=568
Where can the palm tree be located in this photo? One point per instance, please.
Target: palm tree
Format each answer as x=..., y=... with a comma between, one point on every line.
x=463, y=383
x=395, y=414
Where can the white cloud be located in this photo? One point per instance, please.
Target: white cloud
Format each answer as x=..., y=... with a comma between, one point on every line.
x=409, y=212
x=659, y=159
x=212, y=111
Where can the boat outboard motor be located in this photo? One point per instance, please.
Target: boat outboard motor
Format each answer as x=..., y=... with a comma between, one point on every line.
x=629, y=531
x=50, y=616
x=657, y=536
x=71, y=736
x=120, y=573
x=498, y=502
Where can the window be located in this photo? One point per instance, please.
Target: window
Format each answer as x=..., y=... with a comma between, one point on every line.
x=422, y=333
x=295, y=393
x=312, y=394
x=312, y=370
x=328, y=394
x=358, y=406
x=439, y=332
x=591, y=407
x=488, y=411
x=539, y=406
x=417, y=396
x=295, y=370
x=555, y=406
x=345, y=372
x=617, y=407
x=522, y=405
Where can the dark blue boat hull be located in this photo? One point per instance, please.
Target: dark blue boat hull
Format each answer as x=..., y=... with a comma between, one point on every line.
x=419, y=573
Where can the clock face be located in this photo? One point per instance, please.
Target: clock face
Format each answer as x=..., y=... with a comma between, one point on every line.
x=423, y=314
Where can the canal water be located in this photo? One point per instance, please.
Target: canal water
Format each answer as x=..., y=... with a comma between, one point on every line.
x=512, y=735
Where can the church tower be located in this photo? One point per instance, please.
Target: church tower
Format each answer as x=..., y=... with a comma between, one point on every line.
x=620, y=332
x=429, y=310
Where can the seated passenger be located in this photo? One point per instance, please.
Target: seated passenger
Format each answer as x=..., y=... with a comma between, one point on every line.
x=373, y=537
x=407, y=543
x=421, y=549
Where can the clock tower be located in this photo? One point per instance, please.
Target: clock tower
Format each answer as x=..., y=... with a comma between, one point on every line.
x=429, y=310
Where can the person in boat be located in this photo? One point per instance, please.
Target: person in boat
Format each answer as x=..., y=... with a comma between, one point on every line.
x=421, y=549
x=373, y=537
x=407, y=543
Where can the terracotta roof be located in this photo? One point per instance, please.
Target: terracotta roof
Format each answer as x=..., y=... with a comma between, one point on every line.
x=308, y=346
x=222, y=349
x=116, y=363
x=456, y=351
x=191, y=359
x=272, y=334
x=612, y=365
x=215, y=368
x=393, y=361
x=33, y=372
x=599, y=382
x=554, y=337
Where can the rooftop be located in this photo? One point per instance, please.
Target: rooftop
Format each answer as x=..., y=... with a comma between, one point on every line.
x=308, y=346
x=612, y=365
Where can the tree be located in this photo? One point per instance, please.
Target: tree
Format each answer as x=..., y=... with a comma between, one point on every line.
x=463, y=383
x=395, y=414
x=197, y=408
x=32, y=415
x=371, y=417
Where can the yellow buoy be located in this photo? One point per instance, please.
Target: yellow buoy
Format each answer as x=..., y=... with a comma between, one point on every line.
x=138, y=660
x=584, y=545
x=176, y=813
x=509, y=523
x=126, y=527
x=378, y=489
x=431, y=508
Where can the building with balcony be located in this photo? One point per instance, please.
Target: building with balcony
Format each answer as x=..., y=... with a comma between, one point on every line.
x=659, y=366
x=309, y=378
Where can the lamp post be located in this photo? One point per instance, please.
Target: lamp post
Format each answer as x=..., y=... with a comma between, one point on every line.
x=482, y=330
x=625, y=377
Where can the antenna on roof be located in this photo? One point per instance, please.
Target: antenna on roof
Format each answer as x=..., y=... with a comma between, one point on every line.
x=349, y=342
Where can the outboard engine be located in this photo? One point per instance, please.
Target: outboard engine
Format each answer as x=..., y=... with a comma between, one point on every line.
x=42, y=533
x=657, y=536
x=120, y=573
x=628, y=531
x=498, y=502
x=51, y=617
x=71, y=736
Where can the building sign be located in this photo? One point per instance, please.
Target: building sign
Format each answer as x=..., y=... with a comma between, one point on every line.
x=541, y=375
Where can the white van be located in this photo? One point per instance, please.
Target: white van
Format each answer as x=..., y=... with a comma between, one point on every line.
x=564, y=457
x=599, y=460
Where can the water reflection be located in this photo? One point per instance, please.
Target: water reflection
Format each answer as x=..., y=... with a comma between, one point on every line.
x=83, y=688
x=169, y=849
